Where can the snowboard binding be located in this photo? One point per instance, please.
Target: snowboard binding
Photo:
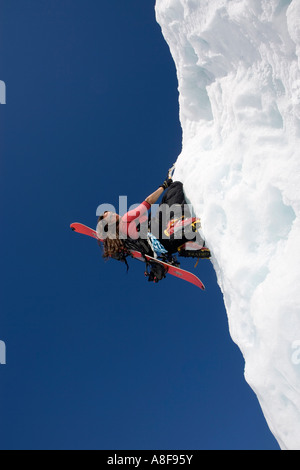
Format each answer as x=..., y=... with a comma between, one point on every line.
x=155, y=272
x=193, y=250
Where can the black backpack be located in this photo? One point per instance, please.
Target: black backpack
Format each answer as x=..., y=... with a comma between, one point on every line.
x=155, y=271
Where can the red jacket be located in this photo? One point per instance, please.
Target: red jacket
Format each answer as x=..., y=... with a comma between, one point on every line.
x=129, y=221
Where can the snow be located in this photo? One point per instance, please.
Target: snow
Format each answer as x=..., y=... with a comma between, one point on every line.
x=238, y=71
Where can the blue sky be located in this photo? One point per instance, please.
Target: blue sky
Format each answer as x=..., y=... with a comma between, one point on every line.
x=97, y=358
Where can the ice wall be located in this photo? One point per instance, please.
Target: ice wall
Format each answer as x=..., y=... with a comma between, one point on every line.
x=238, y=67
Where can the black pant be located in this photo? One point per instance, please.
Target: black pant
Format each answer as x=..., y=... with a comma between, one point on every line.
x=174, y=197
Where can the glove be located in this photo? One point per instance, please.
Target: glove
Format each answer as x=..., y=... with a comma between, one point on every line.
x=167, y=183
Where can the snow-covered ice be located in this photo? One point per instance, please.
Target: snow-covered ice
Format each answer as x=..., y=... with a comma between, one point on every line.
x=238, y=68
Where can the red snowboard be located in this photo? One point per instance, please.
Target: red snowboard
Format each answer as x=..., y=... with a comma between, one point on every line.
x=173, y=270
